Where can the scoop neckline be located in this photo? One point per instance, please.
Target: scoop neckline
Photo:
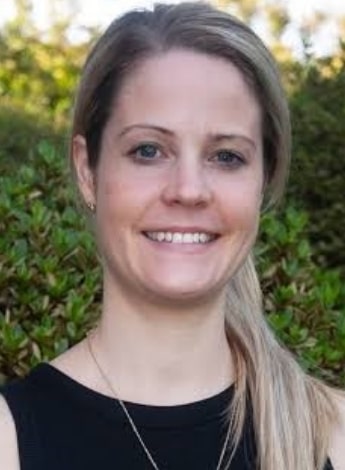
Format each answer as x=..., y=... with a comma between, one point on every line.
x=212, y=408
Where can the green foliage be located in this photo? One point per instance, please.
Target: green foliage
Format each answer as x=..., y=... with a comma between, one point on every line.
x=49, y=278
x=50, y=282
x=318, y=164
x=305, y=304
x=38, y=76
x=20, y=133
x=44, y=70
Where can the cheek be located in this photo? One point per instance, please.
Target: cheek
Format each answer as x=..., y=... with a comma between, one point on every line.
x=241, y=204
x=122, y=197
x=120, y=178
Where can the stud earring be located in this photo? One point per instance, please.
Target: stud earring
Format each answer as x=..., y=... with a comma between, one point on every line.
x=91, y=206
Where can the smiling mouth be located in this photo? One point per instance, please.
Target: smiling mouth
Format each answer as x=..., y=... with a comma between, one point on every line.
x=181, y=238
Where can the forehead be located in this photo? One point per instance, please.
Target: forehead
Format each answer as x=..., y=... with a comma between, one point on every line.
x=184, y=89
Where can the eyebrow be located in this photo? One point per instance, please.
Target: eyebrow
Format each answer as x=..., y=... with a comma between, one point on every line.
x=163, y=130
x=218, y=137
x=214, y=137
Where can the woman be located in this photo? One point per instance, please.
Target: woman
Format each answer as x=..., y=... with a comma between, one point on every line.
x=180, y=136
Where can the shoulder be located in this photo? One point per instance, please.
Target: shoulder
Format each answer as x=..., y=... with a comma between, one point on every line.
x=337, y=441
x=9, y=458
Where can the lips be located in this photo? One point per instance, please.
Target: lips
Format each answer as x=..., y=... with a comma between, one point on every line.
x=179, y=237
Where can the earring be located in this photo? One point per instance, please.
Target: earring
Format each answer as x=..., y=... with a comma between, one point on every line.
x=91, y=206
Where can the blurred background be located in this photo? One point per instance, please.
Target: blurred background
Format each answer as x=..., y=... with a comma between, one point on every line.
x=49, y=278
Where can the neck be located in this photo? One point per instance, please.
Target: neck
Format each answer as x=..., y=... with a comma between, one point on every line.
x=176, y=355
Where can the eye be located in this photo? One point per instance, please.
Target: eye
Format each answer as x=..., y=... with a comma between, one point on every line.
x=146, y=152
x=228, y=158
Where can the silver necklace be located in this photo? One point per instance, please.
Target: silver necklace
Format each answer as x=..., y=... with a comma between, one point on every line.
x=130, y=420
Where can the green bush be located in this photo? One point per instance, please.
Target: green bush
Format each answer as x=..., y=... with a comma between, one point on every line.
x=49, y=279
x=20, y=133
x=318, y=161
x=38, y=78
x=39, y=73
x=50, y=285
x=305, y=304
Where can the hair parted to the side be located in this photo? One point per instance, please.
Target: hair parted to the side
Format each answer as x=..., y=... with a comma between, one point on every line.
x=292, y=412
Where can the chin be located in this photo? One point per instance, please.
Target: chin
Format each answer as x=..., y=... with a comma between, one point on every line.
x=182, y=293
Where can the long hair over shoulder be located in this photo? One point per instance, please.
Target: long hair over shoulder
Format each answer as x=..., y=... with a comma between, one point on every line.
x=292, y=412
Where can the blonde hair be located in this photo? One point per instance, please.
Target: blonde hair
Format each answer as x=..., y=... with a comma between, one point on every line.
x=292, y=412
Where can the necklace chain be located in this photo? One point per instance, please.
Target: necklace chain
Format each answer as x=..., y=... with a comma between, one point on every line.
x=130, y=420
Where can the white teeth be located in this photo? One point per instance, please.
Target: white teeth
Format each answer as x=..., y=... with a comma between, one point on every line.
x=188, y=238
x=178, y=237
x=203, y=237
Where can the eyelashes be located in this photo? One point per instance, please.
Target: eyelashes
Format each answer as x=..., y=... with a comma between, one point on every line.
x=151, y=153
x=229, y=158
x=145, y=152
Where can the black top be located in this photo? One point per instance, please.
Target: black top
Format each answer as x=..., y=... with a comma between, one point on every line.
x=63, y=425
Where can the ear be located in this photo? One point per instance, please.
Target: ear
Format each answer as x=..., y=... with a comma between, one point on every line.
x=85, y=176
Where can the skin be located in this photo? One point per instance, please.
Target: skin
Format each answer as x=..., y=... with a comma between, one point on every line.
x=183, y=185
x=162, y=315
x=204, y=173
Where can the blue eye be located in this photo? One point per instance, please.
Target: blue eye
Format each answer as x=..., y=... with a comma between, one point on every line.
x=146, y=152
x=229, y=158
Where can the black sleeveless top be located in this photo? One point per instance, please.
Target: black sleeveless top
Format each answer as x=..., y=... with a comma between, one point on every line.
x=63, y=425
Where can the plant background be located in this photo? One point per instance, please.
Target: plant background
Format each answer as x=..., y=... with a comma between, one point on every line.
x=50, y=286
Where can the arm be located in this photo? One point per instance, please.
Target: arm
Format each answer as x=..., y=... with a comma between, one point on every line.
x=9, y=458
x=337, y=443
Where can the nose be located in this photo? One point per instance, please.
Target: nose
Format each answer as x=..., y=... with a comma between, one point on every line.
x=187, y=184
